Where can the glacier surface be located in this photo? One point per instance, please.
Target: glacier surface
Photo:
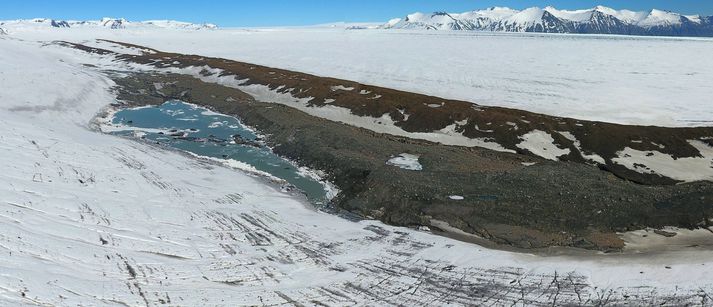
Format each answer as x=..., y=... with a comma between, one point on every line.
x=628, y=80
x=90, y=218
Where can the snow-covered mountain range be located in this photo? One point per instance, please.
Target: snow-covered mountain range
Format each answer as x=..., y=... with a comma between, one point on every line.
x=597, y=20
x=111, y=23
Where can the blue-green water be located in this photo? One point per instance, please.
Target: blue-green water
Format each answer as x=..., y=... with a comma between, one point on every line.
x=205, y=133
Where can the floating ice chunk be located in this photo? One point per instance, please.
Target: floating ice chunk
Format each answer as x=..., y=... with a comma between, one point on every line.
x=210, y=113
x=406, y=161
x=216, y=124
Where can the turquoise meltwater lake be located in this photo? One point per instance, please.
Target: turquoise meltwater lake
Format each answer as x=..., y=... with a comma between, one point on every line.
x=206, y=133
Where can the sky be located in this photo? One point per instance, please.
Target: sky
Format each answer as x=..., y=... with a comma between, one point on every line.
x=261, y=13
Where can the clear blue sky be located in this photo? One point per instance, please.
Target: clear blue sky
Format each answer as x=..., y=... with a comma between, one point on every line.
x=256, y=13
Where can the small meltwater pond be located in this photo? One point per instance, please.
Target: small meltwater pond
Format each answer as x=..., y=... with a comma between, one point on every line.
x=206, y=133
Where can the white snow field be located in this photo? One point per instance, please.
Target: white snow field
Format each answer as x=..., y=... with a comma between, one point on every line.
x=93, y=219
x=631, y=80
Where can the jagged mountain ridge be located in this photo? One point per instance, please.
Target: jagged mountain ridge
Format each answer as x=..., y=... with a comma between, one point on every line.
x=597, y=20
x=107, y=22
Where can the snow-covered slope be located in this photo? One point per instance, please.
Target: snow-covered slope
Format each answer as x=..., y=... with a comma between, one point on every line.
x=94, y=219
x=600, y=20
x=172, y=24
x=107, y=22
x=662, y=18
x=643, y=81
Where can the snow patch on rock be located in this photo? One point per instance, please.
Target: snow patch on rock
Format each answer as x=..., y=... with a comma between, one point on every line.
x=341, y=88
x=577, y=144
x=406, y=161
x=684, y=169
x=542, y=144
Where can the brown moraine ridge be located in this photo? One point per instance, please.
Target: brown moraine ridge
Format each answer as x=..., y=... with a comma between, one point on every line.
x=567, y=203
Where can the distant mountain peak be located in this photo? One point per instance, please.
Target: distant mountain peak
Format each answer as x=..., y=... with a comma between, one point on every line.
x=114, y=23
x=603, y=9
x=106, y=22
x=597, y=20
x=499, y=8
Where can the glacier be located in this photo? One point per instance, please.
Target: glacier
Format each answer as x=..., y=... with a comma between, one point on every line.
x=90, y=218
x=619, y=79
